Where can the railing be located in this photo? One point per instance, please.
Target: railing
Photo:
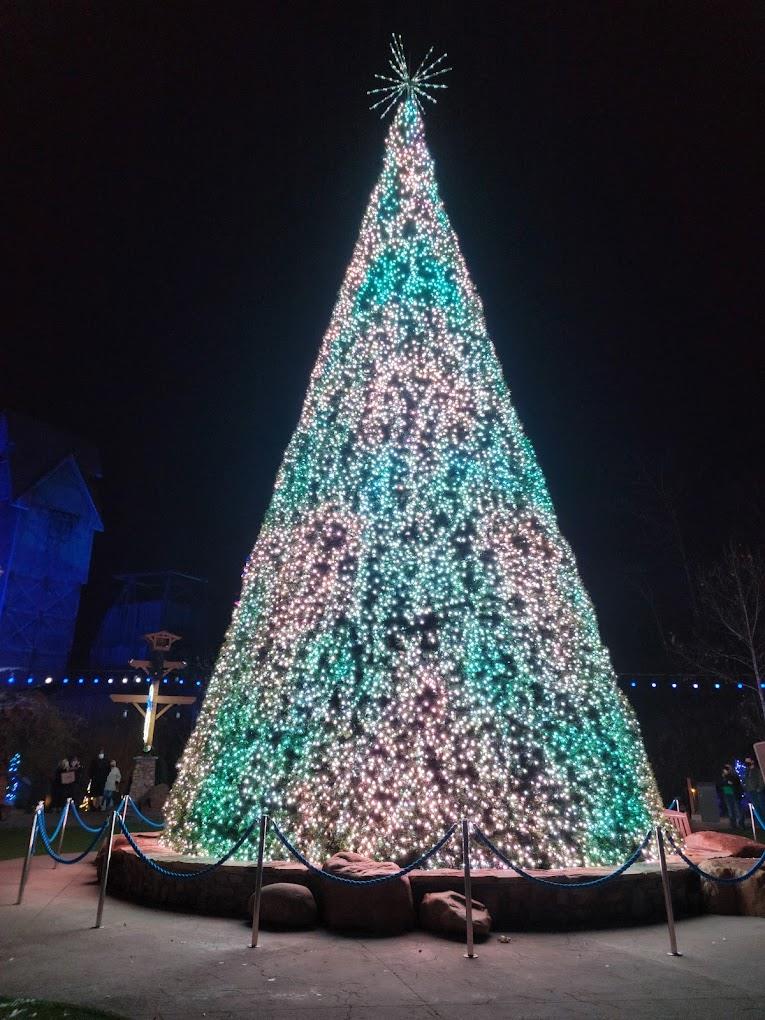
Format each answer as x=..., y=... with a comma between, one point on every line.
x=118, y=820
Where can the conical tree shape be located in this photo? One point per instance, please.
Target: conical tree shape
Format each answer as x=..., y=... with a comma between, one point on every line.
x=413, y=641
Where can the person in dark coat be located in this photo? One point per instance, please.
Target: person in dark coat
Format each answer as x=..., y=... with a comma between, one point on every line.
x=59, y=790
x=75, y=791
x=99, y=770
x=730, y=787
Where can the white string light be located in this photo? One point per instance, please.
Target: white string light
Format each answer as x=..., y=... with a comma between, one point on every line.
x=417, y=86
x=413, y=641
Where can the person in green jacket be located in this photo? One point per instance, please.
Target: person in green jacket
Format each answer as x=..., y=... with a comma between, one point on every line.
x=730, y=787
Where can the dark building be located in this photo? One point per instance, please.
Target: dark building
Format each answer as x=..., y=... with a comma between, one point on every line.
x=47, y=520
x=150, y=602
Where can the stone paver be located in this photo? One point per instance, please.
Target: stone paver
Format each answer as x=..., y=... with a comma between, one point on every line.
x=149, y=964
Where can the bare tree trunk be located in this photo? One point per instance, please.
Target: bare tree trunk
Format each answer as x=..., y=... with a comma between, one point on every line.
x=758, y=682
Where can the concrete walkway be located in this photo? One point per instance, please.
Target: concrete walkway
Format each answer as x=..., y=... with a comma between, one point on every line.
x=148, y=964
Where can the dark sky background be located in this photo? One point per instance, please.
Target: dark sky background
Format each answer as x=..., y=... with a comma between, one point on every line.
x=184, y=184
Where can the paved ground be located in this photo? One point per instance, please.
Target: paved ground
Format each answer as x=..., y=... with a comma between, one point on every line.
x=147, y=964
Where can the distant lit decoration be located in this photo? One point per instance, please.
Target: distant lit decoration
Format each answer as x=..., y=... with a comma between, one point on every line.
x=405, y=85
x=13, y=783
x=413, y=642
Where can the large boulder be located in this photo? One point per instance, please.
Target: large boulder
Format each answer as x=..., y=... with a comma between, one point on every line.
x=385, y=908
x=747, y=897
x=445, y=913
x=721, y=844
x=154, y=799
x=286, y=905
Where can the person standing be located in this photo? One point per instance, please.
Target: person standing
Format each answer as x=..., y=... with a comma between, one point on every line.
x=99, y=770
x=75, y=766
x=111, y=785
x=61, y=779
x=754, y=785
x=730, y=787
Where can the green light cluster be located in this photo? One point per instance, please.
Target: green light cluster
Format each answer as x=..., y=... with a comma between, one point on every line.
x=413, y=641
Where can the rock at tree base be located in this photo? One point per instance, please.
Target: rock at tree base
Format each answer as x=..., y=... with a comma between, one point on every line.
x=385, y=908
x=445, y=914
x=154, y=799
x=721, y=844
x=286, y=905
x=746, y=898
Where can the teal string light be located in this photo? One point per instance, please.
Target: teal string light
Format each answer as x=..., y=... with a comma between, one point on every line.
x=413, y=641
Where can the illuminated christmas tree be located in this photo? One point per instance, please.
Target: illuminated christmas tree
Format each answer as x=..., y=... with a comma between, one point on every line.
x=413, y=641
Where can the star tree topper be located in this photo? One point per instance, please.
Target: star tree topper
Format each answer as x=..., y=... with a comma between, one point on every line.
x=418, y=85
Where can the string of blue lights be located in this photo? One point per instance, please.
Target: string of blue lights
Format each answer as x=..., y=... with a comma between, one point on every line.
x=653, y=683
x=92, y=680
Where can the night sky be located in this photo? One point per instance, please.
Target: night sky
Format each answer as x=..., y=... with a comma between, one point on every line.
x=184, y=184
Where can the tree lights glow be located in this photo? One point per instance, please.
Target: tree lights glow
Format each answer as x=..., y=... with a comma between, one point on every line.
x=413, y=641
x=404, y=84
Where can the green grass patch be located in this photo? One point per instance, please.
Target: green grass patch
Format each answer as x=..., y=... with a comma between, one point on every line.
x=14, y=841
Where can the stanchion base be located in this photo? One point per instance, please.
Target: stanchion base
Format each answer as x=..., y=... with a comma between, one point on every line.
x=470, y=956
x=674, y=954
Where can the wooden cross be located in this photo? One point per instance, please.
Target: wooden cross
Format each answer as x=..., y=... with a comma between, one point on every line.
x=156, y=668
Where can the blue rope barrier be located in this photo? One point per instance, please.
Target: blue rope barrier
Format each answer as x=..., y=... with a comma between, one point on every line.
x=756, y=814
x=167, y=872
x=58, y=826
x=80, y=821
x=46, y=840
x=562, y=885
x=715, y=878
x=132, y=804
x=378, y=880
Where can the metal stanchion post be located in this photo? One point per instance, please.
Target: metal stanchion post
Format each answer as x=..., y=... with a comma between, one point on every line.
x=751, y=819
x=468, y=889
x=667, y=893
x=30, y=851
x=125, y=804
x=258, y=881
x=63, y=828
x=105, y=872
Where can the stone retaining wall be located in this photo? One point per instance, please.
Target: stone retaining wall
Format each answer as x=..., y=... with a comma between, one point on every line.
x=514, y=903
